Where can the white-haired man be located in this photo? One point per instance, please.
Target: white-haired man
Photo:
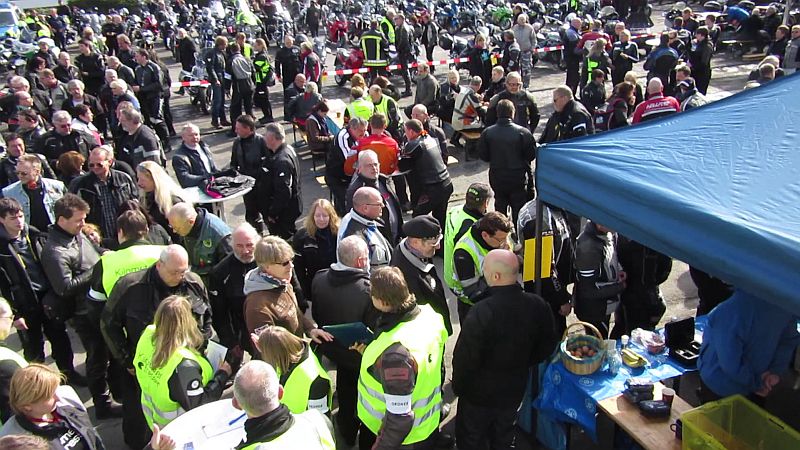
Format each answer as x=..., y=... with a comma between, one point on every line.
x=257, y=391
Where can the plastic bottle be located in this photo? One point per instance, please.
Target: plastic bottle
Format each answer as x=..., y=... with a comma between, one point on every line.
x=614, y=358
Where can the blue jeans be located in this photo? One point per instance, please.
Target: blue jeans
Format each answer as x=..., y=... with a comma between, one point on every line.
x=217, y=102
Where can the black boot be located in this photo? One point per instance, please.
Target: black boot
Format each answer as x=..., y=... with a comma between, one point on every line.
x=74, y=378
x=106, y=408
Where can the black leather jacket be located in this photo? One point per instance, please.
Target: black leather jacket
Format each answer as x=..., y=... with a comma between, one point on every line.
x=249, y=156
x=52, y=145
x=68, y=262
x=122, y=187
x=526, y=113
x=215, y=66
x=188, y=166
x=573, y=121
x=148, y=77
x=507, y=146
x=422, y=157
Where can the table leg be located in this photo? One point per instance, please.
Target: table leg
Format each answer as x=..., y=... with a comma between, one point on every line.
x=219, y=210
x=676, y=385
x=568, y=432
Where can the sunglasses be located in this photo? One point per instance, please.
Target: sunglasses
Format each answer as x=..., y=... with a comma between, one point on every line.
x=100, y=164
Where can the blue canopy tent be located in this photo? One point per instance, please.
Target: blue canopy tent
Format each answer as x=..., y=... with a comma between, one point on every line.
x=717, y=187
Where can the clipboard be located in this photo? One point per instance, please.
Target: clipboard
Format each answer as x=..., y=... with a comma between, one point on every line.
x=347, y=334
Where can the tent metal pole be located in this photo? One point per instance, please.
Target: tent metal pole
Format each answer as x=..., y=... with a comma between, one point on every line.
x=537, y=260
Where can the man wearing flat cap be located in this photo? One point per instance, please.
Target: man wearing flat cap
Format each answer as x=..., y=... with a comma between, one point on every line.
x=414, y=257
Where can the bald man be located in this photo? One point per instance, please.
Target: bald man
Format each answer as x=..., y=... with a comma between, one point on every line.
x=501, y=338
x=131, y=307
x=205, y=235
x=364, y=220
x=657, y=104
x=226, y=288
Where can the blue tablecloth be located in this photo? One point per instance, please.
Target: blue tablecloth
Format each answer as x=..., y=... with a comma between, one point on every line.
x=569, y=398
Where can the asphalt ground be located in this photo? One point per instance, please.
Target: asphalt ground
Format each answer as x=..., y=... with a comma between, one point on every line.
x=680, y=294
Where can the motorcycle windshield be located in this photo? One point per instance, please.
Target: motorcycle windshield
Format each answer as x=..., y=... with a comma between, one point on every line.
x=7, y=19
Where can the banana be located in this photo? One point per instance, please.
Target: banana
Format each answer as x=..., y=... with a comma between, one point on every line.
x=632, y=359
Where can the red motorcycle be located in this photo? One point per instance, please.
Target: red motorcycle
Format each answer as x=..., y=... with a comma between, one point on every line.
x=347, y=59
x=337, y=30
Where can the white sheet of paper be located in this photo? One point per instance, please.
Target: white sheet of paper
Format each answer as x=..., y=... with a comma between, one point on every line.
x=216, y=354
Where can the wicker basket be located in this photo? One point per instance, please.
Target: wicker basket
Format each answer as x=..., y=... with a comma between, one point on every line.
x=582, y=366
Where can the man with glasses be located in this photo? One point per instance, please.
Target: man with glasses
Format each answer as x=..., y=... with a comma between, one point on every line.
x=130, y=309
x=570, y=119
x=490, y=232
x=368, y=173
x=365, y=220
x=414, y=257
x=105, y=189
x=15, y=148
x=62, y=139
x=35, y=194
x=526, y=113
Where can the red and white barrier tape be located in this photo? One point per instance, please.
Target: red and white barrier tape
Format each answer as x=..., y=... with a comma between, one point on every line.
x=644, y=36
x=440, y=62
x=190, y=83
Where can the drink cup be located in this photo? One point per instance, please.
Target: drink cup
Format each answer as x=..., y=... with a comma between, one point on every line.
x=667, y=395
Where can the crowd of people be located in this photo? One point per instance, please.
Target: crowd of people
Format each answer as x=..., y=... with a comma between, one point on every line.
x=98, y=237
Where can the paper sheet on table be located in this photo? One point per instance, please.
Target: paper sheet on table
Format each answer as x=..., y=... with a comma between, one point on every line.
x=216, y=354
x=528, y=268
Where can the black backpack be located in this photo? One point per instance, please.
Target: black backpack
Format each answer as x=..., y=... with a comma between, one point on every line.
x=602, y=116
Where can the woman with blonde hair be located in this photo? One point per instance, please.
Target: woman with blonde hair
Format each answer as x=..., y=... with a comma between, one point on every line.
x=269, y=296
x=10, y=361
x=159, y=193
x=315, y=243
x=306, y=384
x=44, y=408
x=596, y=59
x=174, y=376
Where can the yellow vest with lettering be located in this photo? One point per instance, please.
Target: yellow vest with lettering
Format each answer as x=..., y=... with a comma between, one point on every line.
x=424, y=337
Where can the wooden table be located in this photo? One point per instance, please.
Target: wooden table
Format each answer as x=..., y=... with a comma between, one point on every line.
x=648, y=432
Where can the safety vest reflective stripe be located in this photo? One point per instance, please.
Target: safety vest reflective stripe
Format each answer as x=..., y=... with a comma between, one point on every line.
x=380, y=59
x=297, y=390
x=308, y=426
x=8, y=354
x=590, y=66
x=456, y=217
x=424, y=337
x=157, y=405
x=122, y=262
x=477, y=253
x=362, y=108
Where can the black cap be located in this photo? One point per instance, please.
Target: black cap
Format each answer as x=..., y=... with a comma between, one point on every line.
x=478, y=192
x=422, y=227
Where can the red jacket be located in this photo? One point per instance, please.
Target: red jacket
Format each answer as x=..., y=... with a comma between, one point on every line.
x=386, y=148
x=656, y=106
x=590, y=36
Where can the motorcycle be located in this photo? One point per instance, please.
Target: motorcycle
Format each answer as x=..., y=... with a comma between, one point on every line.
x=500, y=15
x=200, y=96
x=457, y=46
x=145, y=39
x=347, y=59
x=337, y=30
x=550, y=38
